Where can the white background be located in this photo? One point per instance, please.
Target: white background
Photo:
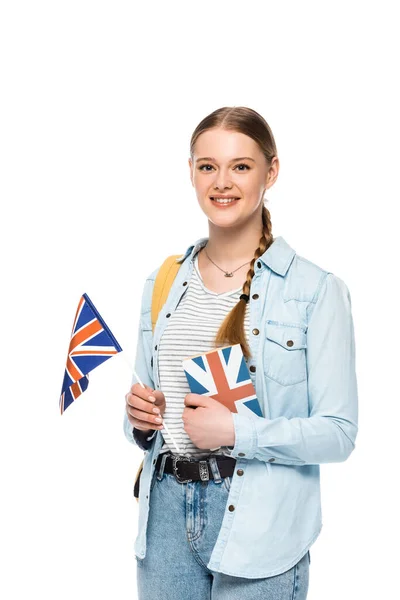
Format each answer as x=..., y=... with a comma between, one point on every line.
x=98, y=103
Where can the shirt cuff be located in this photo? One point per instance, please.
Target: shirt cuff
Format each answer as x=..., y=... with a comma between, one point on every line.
x=245, y=437
x=142, y=440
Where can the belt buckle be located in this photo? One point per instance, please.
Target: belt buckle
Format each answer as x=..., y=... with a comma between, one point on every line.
x=175, y=459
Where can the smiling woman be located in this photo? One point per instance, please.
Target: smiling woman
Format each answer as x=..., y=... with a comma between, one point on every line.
x=241, y=518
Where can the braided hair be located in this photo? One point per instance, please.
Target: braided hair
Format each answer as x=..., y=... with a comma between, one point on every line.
x=248, y=121
x=231, y=330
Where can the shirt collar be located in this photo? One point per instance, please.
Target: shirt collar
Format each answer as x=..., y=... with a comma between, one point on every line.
x=277, y=257
x=193, y=249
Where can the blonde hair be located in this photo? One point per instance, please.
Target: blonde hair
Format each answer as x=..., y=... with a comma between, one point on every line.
x=248, y=121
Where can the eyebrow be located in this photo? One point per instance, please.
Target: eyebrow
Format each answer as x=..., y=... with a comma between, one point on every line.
x=233, y=159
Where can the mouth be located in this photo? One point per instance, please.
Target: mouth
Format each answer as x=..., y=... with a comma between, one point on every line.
x=224, y=200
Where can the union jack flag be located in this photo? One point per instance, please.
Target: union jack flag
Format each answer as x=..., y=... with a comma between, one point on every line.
x=91, y=344
x=223, y=374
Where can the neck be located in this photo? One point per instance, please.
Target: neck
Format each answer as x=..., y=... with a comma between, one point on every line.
x=230, y=248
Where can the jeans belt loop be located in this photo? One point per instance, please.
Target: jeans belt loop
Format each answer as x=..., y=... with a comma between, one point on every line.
x=215, y=469
x=162, y=465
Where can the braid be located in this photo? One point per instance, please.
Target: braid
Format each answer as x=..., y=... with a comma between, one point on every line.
x=231, y=330
x=249, y=122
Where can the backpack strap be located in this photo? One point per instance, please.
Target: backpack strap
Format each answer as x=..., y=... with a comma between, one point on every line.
x=162, y=285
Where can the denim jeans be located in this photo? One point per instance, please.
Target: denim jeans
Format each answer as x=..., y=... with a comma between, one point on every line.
x=184, y=522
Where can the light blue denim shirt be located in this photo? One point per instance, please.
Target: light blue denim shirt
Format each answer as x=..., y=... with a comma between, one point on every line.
x=303, y=369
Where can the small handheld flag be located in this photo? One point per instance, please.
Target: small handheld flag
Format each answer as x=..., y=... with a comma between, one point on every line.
x=92, y=343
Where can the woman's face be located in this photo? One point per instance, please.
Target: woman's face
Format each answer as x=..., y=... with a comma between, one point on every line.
x=231, y=164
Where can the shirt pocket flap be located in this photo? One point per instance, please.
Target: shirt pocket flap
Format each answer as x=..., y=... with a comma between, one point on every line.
x=290, y=338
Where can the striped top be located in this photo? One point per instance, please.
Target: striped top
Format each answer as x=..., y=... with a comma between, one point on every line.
x=191, y=330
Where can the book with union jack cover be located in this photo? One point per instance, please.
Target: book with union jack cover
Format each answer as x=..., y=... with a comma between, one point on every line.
x=222, y=374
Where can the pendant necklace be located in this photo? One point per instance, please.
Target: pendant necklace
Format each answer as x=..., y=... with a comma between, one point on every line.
x=226, y=273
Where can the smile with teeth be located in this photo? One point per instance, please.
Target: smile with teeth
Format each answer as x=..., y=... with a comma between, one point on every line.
x=223, y=200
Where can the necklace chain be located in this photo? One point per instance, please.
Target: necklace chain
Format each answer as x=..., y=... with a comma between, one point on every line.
x=226, y=273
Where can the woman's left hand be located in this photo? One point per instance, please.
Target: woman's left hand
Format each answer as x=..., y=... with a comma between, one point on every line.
x=209, y=424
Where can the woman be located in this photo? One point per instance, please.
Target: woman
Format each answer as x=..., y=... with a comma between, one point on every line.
x=236, y=510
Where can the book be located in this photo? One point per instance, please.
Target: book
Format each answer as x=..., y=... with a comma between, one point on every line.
x=222, y=374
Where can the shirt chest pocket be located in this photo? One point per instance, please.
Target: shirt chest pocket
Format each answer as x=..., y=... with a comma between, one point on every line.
x=285, y=352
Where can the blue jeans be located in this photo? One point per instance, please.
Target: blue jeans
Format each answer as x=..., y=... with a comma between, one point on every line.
x=184, y=522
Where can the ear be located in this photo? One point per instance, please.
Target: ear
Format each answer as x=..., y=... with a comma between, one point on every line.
x=273, y=171
x=190, y=169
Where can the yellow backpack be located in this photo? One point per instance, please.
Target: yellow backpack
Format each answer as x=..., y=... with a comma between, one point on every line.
x=162, y=285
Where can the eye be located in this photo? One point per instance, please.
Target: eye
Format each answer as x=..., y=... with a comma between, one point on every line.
x=201, y=168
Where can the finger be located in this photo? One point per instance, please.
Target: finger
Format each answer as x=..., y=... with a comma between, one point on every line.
x=139, y=390
x=129, y=398
x=158, y=395
x=138, y=408
x=142, y=425
x=143, y=418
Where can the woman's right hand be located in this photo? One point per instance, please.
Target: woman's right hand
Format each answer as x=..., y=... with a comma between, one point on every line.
x=140, y=409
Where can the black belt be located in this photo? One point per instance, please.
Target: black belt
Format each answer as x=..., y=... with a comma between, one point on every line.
x=193, y=469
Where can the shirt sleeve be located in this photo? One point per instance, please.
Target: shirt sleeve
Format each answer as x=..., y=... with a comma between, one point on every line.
x=329, y=433
x=143, y=368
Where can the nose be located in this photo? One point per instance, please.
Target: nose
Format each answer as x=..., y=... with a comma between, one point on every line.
x=222, y=180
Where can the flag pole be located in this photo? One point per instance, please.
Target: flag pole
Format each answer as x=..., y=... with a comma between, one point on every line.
x=128, y=362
